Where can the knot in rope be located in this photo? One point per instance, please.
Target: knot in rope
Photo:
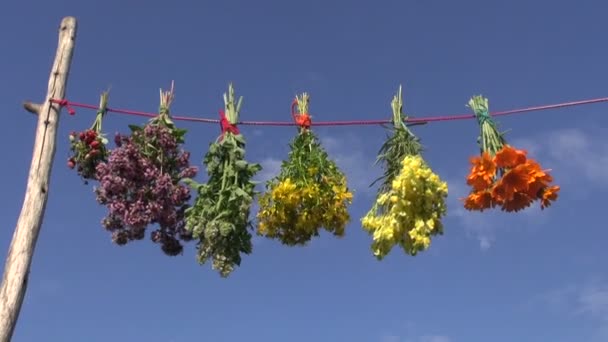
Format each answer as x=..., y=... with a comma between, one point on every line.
x=483, y=116
x=303, y=120
x=226, y=126
x=64, y=103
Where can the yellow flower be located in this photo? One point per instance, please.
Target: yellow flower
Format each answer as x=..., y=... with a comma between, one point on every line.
x=294, y=212
x=410, y=212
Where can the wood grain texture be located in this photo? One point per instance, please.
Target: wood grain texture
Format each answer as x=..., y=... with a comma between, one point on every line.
x=21, y=250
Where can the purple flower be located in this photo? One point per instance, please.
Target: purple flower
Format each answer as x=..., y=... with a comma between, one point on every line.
x=140, y=185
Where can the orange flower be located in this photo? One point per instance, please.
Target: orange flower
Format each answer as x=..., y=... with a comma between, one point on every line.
x=515, y=180
x=523, y=182
x=519, y=202
x=549, y=195
x=539, y=179
x=479, y=201
x=509, y=157
x=482, y=172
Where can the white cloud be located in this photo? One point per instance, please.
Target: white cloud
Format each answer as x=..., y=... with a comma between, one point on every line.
x=480, y=226
x=579, y=300
x=593, y=300
x=409, y=332
x=434, y=338
x=476, y=225
x=348, y=154
x=572, y=152
x=428, y=338
x=423, y=338
x=391, y=338
x=581, y=153
x=556, y=299
x=588, y=299
x=270, y=168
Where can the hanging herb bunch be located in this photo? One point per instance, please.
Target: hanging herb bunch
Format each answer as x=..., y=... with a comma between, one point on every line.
x=88, y=148
x=310, y=192
x=140, y=182
x=503, y=176
x=411, y=197
x=219, y=218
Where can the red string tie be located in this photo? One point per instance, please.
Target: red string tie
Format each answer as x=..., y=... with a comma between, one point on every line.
x=302, y=120
x=65, y=103
x=226, y=125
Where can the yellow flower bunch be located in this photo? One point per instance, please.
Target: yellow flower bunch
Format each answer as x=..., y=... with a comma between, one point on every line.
x=410, y=212
x=411, y=198
x=309, y=194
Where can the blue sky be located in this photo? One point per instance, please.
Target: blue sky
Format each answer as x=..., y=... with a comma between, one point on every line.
x=534, y=276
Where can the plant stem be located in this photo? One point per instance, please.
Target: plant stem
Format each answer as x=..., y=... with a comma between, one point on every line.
x=491, y=140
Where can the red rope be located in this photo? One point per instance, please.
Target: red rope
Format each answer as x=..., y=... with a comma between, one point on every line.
x=302, y=119
x=66, y=104
x=226, y=125
x=421, y=120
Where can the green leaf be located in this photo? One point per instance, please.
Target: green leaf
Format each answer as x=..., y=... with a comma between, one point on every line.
x=239, y=152
x=241, y=165
x=213, y=148
x=226, y=228
x=135, y=128
x=168, y=120
x=254, y=168
x=240, y=139
x=191, y=183
x=240, y=192
x=180, y=132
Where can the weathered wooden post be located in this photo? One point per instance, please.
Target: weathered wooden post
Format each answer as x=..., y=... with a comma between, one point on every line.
x=21, y=250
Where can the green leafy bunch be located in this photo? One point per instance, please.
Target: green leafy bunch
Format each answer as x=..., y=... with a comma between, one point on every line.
x=401, y=142
x=219, y=217
x=307, y=162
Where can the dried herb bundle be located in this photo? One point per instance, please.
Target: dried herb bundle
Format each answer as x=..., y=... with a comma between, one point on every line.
x=219, y=218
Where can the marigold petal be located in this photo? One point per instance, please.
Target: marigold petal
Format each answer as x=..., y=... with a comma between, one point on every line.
x=479, y=182
x=509, y=157
x=535, y=188
x=517, y=178
x=480, y=200
x=518, y=202
x=549, y=195
x=500, y=193
x=483, y=172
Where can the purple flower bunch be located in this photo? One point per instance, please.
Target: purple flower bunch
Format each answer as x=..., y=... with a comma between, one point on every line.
x=140, y=185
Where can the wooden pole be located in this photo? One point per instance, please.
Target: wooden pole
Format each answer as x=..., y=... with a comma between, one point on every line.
x=21, y=250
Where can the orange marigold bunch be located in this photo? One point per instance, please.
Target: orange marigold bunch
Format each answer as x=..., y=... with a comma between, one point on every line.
x=510, y=180
x=502, y=175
